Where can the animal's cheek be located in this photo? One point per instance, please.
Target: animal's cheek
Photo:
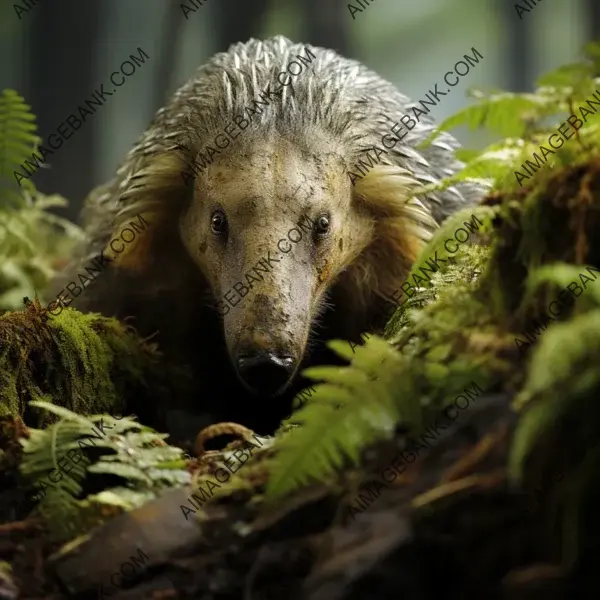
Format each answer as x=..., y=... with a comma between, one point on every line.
x=209, y=263
x=330, y=260
x=324, y=271
x=327, y=266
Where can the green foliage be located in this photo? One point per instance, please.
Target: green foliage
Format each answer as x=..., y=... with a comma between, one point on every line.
x=507, y=114
x=17, y=140
x=127, y=451
x=560, y=407
x=524, y=121
x=558, y=275
x=485, y=214
x=563, y=369
x=81, y=362
x=426, y=364
x=33, y=242
x=448, y=336
x=356, y=404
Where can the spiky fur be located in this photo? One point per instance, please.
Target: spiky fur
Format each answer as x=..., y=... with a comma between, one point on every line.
x=336, y=96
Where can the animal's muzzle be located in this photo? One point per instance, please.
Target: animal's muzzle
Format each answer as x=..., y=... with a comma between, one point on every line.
x=265, y=373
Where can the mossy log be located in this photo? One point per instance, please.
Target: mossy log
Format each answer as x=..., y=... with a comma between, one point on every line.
x=84, y=362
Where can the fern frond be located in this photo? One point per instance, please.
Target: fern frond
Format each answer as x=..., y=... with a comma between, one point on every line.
x=17, y=140
x=355, y=405
x=122, y=497
x=46, y=447
x=524, y=121
x=66, y=414
x=569, y=81
x=33, y=242
x=504, y=113
x=127, y=450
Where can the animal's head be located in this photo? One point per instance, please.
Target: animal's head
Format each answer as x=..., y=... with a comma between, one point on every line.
x=274, y=226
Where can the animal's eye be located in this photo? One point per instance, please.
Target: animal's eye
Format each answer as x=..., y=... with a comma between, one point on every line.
x=218, y=223
x=321, y=225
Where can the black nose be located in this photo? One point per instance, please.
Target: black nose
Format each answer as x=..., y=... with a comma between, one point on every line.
x=264, y=372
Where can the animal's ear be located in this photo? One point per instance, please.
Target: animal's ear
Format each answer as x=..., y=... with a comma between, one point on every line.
x=402, y=226
x=387, y=193
x=150, y=201
x=133, y=254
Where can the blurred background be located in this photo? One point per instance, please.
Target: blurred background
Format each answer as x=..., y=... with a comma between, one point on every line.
x=56, y=53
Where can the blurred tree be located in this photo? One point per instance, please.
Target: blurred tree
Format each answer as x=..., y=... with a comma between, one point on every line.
x=64, y=37
x=518, y=47
x=172, y=33
x=593, y=9
x=326, y=23
x=238, y=21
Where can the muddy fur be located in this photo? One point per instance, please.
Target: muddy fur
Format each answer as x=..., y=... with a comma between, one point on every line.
x=290, y=164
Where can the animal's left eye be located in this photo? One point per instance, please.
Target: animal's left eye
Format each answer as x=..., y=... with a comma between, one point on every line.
x=321, y=225
x=218, y=223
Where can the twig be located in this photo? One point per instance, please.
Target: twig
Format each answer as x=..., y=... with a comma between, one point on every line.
x=19, y=525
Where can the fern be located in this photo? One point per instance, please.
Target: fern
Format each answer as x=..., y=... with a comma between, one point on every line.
x=485, y=214
x=513, y=115
x=506, y=114
x=356, y=404
x=451, y=294
x=17, y=142
x=524, y=121
x=129, y=451
x=33, y=242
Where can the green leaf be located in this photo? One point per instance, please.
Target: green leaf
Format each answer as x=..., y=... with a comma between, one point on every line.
x=119, y=469
x=531, y=426
x=503, y=113
x=357, y=404
x=65, y=413
x=484, y=214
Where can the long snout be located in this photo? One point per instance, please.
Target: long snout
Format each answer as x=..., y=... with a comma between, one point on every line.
x=267, y=330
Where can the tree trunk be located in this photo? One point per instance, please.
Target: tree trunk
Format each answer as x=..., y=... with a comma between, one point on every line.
x=62, y=76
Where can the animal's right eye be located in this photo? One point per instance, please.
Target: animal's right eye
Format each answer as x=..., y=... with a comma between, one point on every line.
x=218, y=223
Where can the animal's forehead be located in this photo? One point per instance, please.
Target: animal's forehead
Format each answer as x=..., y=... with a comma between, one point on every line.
x=273, y=178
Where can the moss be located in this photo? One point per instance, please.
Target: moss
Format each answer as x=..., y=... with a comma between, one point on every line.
x=82, y=362
x=463, y=326
x=459, y=330
x=553, y=221
x=448, y=333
